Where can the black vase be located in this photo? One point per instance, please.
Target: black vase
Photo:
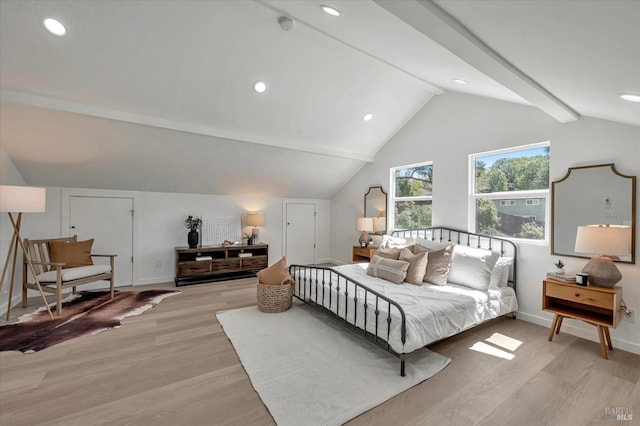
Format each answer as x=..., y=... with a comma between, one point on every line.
x=192, y=238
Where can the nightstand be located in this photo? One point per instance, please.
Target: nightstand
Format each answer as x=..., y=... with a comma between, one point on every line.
x=597, y=306
x=363, y=254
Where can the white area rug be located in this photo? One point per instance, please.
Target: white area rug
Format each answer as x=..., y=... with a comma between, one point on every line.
x=309, y=370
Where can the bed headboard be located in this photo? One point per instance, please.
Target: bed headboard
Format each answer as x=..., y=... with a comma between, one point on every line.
x=456, y=236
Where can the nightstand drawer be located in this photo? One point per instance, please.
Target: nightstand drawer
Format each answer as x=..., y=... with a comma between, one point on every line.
x=580, y=295
x=361, y=251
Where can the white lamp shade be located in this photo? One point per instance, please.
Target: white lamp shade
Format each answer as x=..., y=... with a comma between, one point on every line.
x=364, y=224
x=22, y=199
x=255, y=219
x=379, y=224
x=614, y=240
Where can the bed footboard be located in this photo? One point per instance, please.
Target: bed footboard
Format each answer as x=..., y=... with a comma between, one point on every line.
x=355, y=306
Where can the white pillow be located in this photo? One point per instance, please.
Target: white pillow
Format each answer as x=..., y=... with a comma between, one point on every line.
x=432, y=245
x=472, y=267
x=396, y=242
x=500, y=273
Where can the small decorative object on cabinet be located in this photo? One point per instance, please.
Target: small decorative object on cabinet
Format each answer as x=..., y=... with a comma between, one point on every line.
x=205, y=264
x=193, y=223
x=559, y=267
x=597, y=306
x=363, y=254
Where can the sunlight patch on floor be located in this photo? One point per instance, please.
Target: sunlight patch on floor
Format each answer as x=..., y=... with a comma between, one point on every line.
x=498, y=341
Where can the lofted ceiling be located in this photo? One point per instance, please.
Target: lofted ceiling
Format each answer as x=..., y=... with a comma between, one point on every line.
x=157, y=95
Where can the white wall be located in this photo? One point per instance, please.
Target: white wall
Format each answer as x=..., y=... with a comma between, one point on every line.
x=451, y=127
x=159, y=225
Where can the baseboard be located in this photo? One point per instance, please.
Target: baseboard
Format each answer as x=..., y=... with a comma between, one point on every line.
x=584, y=333
x=329, y=260
x=155, y=280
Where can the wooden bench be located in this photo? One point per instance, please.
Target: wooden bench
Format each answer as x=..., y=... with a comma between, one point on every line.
x=53, y=277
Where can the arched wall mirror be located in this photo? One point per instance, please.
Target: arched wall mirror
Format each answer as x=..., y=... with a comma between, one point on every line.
x=591, y=195
x=375, y=206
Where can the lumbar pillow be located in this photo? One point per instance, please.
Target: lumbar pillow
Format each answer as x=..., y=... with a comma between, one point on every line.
x=417, y=266
x=71, y=254
x=275, y=274
x=472, y=267
x=438, y=266
x=389, y=253
x=388, y=269
x=500, y=273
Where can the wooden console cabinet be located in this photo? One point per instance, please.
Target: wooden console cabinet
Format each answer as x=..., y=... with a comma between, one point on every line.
x=202, y=264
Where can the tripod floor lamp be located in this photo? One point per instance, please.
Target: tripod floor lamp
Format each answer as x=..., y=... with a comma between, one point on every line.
x=20, y=199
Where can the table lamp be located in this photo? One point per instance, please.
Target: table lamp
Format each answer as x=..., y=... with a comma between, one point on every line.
x=255, y=219
x=607, y=242
x=20, y=199
x=364, y=225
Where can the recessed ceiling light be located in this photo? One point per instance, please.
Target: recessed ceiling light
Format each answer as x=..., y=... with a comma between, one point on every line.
x=260, y=86
x=330, y=10
x=630, y=97
x=54, y=26
x=367, y=117
x=460, y=81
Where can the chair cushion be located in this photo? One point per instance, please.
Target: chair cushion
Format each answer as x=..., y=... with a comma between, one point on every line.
x=71, y=254
x=71, y=274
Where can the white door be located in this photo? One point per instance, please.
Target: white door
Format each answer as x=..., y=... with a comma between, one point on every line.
x=109, y=221
x=301, y=233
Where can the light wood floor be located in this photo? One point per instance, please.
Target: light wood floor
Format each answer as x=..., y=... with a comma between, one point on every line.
x=173, y=365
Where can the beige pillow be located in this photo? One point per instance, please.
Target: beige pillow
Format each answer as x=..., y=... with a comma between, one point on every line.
x=71, y=254
x=275, y=274
x=438, y=266
x=389, y=253
x=417, y=266
x=417, y=249
x=388, y=269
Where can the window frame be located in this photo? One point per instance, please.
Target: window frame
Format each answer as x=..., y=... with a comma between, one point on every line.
x=391, y=208
x=506, y=195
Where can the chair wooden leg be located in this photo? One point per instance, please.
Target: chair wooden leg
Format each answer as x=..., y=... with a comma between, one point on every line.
x=58, y=299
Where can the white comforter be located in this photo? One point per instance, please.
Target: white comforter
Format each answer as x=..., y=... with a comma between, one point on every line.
x=432, y=312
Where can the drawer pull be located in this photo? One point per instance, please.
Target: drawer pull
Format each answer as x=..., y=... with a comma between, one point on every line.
x=577, y=294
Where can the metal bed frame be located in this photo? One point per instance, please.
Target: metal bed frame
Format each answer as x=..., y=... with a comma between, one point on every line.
x=310, y=276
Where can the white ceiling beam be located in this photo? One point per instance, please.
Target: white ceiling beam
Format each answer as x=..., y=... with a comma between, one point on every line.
x=443, y=28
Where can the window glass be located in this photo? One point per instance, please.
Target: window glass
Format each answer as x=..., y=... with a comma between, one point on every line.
x=412, y=196
x=510, y=192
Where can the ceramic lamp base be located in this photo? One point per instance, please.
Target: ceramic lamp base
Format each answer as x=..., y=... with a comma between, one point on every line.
x=602, y=272
x=364, y=239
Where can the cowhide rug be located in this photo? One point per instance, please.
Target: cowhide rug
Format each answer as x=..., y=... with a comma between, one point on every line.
x=87, y=312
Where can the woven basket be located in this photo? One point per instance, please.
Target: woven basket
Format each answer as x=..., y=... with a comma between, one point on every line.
x=275, y=298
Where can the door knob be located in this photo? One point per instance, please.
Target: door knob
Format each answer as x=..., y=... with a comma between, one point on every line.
x=73, y=227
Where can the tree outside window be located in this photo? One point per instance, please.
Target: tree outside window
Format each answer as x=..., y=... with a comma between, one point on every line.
x=412, y=196
x=509, y=192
